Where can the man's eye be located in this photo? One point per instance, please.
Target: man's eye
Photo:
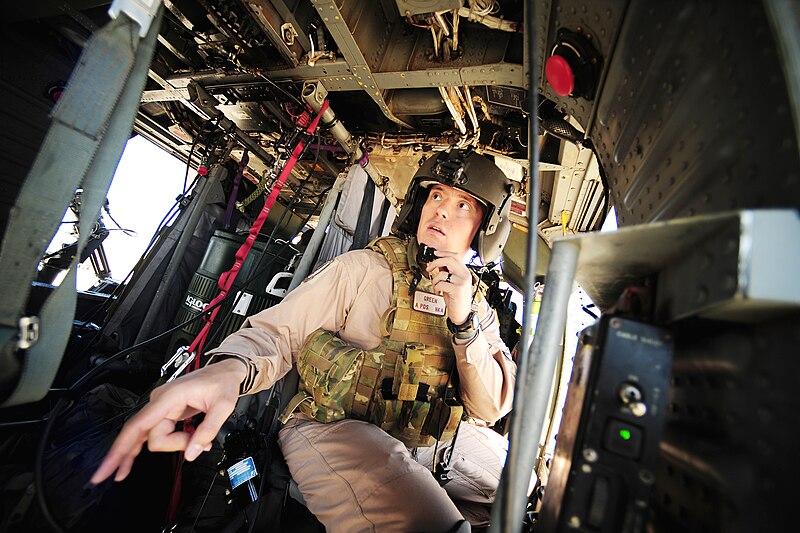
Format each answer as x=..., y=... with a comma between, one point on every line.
x=465, y=206
x=436, y=196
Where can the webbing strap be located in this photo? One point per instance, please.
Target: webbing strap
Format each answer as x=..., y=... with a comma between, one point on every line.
x=237, y=179
x=382, y=218
x=362, y=231
x=91, y=125
x=227, y=278
x=225, y=283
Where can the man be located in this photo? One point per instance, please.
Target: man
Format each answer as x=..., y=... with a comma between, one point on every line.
x=418, y=333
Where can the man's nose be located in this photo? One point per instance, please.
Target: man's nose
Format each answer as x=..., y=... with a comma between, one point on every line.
x=441, y=210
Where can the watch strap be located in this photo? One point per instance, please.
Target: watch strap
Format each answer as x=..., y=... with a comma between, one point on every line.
x=468, y=326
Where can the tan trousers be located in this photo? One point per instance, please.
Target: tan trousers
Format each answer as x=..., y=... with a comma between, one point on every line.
x=355, y=477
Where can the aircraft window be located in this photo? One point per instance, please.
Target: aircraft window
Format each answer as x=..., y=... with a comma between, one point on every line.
x=144, y=188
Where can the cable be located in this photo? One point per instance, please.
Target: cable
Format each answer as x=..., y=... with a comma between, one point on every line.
x=78, y=384
x=281, y=89
x=16, y=423
x=203, y=504
x=37, y=470
x=128, y=232
x=606, y=191
x=205, y=130
x=508, y=510
x=188, y=162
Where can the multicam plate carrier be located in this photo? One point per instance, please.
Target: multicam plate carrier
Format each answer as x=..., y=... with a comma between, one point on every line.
x=404, y=386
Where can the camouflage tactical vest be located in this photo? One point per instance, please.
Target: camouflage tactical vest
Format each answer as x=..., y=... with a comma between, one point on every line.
x=406, y=386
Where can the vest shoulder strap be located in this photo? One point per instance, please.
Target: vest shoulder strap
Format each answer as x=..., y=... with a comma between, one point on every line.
x=394, y=249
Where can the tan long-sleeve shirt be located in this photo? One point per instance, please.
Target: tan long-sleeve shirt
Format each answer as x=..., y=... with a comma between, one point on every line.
x=348, y=296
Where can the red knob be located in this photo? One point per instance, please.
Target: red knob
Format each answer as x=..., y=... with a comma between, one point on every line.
x=559, y=75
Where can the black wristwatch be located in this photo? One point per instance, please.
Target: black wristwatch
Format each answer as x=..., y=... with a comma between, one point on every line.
x=469, y=325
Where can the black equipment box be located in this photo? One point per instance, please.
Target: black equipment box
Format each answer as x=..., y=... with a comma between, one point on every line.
x=606, y=454
x=219, y=257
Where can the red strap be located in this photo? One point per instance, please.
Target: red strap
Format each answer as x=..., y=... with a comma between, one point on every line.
x=227, y=278
x=225, y=283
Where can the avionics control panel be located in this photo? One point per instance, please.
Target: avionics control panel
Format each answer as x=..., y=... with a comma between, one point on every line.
x=607, y=446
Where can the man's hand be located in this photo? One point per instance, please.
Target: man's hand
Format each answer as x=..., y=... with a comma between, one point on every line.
x=212, y=390
x=453, y=280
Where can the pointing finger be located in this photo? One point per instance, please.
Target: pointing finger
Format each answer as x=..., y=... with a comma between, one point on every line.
x=164, y=438
x=119, y=458
x=208, y=430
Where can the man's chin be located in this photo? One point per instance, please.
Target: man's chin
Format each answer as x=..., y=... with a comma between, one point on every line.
x=432, y=239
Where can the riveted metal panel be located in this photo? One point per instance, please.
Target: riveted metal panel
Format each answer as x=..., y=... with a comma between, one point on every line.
x=343, y=24
x=599, y=21
x=479, y=45
x=405, y=41
x=508, y=74
x=744, y=272
x=694, y=115
x=729, y=450
x=370, y=28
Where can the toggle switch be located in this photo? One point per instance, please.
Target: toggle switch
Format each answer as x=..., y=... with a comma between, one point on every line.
x=631, y=395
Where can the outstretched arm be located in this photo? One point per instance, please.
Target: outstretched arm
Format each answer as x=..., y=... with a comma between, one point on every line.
x=212, y=390
x=270, y=339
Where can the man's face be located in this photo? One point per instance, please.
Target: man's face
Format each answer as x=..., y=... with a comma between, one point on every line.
x=449, y=219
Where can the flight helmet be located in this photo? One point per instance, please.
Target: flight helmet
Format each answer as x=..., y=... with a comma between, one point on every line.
x=474, y=174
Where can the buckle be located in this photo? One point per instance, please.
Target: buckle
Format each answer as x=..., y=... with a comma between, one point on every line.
x=28, y=332
x=179, y=362
x=140, y=11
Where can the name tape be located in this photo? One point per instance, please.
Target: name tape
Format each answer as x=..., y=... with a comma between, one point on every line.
x=432, y=304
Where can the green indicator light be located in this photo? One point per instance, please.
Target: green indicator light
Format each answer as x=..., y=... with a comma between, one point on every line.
x=625, y=434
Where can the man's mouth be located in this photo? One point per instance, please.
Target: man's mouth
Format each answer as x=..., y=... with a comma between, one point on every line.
x=436, y=229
